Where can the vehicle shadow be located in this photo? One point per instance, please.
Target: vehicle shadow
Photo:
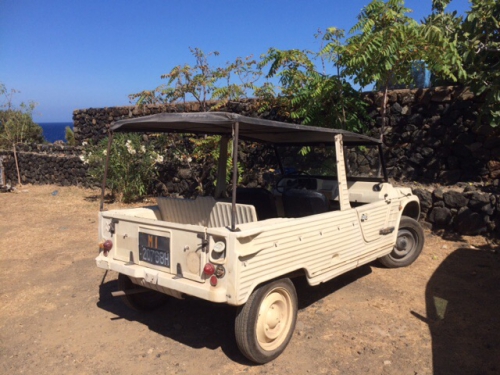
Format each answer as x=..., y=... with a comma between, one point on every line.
x=463, y=305
x=201, y=324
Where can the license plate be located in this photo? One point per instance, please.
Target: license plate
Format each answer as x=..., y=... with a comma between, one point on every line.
x=154, y=249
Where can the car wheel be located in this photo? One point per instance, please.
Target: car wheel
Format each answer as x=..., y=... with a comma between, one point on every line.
x=144, y=301
x=265, y=324
x=408, y=246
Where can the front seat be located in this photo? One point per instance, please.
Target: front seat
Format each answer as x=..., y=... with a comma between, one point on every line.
x=301, y=202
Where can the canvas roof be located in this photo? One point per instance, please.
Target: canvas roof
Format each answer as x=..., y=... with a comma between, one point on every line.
x=250, y=128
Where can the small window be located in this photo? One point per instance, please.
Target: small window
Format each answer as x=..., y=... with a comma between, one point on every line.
x=363, y=162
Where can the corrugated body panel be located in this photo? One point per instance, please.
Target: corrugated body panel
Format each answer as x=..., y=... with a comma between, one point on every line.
x=315, y=243
x=186, y=211
x=373, y=219
x=220, y=216
x=321, y=244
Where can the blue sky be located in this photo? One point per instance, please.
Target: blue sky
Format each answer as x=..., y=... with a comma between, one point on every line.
x=72, y=54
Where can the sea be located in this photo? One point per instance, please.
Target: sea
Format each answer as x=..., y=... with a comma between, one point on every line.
x=55, y=131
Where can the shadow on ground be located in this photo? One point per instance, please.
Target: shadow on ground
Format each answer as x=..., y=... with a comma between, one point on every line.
x=199, y=324
x=463, y=313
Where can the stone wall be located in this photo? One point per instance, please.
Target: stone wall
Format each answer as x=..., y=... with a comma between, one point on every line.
x=465, y=209
x=90, y=125
x=46, y=164
x=430, y=134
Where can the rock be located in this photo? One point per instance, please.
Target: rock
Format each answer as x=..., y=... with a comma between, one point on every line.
x=396, y=107
x=425, y=198
x=439, y=204
x=470, y=223
x=441, y=216
x=454, y=199
x=438, y=194
x=477, y=200
x=185, y=173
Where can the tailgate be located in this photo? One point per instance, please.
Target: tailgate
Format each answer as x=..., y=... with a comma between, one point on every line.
x=167, y=247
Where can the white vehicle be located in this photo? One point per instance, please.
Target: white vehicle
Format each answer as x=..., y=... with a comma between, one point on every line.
x=319, y=221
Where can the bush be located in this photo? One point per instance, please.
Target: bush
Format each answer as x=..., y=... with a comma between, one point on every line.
x=132, y=166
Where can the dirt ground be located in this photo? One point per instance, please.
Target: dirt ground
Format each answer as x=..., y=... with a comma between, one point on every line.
x=57, y=315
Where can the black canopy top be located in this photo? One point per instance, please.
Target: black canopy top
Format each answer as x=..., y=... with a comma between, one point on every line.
x=250, y=128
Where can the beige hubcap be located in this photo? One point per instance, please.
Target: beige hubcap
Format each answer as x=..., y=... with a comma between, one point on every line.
x=275, y=319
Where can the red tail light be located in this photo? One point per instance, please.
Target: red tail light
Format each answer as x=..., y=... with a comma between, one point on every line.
x=107, y=245
x=209, y=269
x=213, y=281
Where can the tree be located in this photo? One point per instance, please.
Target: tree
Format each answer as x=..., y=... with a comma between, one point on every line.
x=16, y=124
x=308, y=95
x=203, y=82
x=386, y=42
x=480, y=38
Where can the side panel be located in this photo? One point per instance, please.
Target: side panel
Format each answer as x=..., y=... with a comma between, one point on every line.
x=323, y=245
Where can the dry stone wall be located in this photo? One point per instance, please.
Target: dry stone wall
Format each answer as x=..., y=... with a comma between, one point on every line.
x=46, y=164
x=431, y=136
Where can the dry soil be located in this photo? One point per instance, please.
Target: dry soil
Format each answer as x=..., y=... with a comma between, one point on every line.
x=57, y=315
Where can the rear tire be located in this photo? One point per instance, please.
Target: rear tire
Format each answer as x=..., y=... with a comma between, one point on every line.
x=145, y=301
x=408, y=246
x=265, y=324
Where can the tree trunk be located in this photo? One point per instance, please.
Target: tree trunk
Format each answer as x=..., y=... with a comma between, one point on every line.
x=17, y=164
x=383, y=111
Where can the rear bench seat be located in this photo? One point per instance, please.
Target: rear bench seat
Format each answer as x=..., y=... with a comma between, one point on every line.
x=204, y=211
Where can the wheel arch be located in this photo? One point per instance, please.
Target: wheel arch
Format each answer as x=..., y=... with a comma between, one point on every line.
x=412, y=209
x=300, y=273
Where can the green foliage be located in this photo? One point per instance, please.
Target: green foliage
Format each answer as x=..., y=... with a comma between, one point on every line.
x=69, y=135
x=386, y=42
x=206, y=151
x=309, y=96
x=16, y=124
x=480, y=38
x=132, y=165
x=203, y=82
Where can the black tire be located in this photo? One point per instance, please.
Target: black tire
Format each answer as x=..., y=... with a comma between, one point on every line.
x=265, y=324
x=145, y=301
x=409, y=244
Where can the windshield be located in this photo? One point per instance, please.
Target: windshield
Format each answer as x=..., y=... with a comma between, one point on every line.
x=310, y=160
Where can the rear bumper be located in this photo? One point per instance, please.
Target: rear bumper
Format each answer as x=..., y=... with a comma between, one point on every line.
x=174, y=283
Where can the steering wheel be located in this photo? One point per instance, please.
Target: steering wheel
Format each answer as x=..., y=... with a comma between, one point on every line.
x=292, y=184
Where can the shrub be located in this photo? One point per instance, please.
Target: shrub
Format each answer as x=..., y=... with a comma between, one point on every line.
x=132, y=166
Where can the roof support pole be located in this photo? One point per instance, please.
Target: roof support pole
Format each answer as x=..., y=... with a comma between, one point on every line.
x=220, y=188
x=382, y=163
x=103, y=188
x=236, y=130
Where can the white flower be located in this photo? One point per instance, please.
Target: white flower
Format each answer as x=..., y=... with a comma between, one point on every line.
x=143, y=149
x=159, y=159
x=105, y=152
x=84, y=159
x=130, y=148
x=189, y=160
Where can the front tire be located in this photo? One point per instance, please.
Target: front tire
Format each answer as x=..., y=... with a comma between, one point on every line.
x=145, y=301
x=265, y=324
x=408, y=246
